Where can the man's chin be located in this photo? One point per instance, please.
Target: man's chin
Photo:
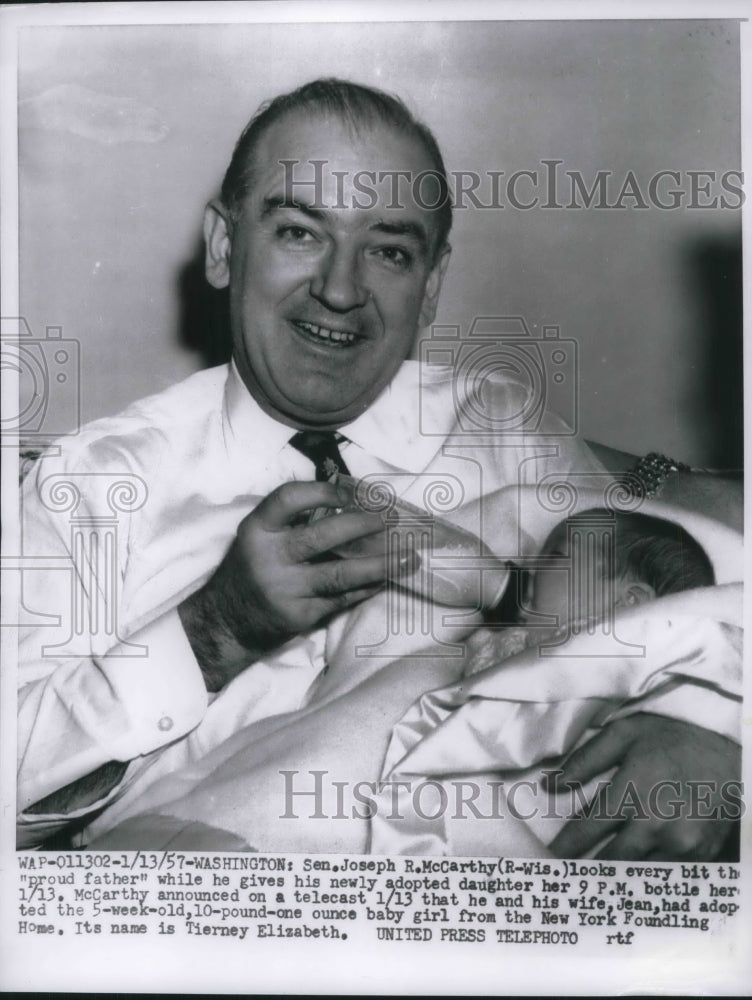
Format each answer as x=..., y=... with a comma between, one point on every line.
x=318, y=412
x=326, y=419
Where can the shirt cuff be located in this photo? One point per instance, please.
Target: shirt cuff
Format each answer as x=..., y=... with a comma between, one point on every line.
x=160, y=697
x=161, y=693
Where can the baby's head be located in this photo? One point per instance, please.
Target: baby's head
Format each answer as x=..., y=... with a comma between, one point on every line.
x=602, y=559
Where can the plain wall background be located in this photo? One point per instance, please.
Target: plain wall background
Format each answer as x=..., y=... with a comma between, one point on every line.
x=125, y=133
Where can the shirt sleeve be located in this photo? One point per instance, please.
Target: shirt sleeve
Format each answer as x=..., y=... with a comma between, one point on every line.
x=114, y=707
x=85, y=695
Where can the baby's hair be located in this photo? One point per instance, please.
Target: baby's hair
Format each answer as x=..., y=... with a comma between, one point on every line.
x=654, y=551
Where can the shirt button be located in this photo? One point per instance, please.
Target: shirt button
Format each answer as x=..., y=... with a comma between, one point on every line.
x=165, y=723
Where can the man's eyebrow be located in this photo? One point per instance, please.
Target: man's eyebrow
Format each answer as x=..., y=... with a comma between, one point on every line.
x=276, y=202
x=413, y=230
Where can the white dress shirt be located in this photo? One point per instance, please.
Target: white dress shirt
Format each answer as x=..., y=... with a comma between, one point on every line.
x=111, y=676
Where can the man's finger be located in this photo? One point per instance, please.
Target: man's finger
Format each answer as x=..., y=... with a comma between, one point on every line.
x=349, y=598
x=308, y=541
x=603, y=751
x=690, y=839
x=584, y=832
x=635, y=840
x=322, y=608
x=340, y=576
x=279, y=509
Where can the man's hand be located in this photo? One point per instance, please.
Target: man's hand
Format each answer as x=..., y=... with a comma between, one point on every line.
x=273, y=583
x=678, y=786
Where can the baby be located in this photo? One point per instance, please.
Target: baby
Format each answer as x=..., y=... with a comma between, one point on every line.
x=591, y=564
x=612, y=559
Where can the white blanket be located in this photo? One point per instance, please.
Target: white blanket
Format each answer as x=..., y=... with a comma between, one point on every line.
x=498, y=724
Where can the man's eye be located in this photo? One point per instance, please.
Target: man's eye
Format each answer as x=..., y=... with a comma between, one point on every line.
x=294, y=234
x=395, y=256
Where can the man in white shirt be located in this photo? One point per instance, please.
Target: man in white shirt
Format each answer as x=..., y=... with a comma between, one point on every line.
x=221, y=586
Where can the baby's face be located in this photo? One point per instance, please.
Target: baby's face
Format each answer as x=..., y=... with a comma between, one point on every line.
x=573, y=587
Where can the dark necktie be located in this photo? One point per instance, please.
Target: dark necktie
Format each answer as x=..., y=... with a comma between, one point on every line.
x=321, y=447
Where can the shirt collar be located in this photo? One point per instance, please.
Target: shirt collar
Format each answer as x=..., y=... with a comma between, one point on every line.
x=391, y=429
x=246, y=424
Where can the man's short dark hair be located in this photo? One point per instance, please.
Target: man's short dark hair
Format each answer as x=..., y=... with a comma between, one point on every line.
x=354, y=104
x=653, y=550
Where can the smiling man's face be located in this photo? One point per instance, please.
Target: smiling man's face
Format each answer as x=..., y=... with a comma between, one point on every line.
x=325, y=303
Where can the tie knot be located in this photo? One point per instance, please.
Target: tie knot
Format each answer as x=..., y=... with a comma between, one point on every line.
x=321, y=448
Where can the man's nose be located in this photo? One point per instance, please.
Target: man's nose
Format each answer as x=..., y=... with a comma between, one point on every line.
x=338, y=283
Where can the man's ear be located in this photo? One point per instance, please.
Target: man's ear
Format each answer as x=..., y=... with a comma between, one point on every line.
x=634, y=593
x=218, y=244
x=433, y=286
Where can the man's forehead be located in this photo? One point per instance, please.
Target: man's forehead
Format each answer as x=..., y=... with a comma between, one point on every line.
x=326, y=146
x=371, y=176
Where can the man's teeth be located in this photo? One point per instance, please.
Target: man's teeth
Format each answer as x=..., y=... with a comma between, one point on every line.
x=325, y=333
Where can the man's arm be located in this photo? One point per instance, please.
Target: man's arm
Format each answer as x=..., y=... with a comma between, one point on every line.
x=82, y=792
x=648, y=748
x=81, y=721
x=77, y=714
x=86, y=699
x=635, y=743
x=615, y=461
x=276, y=581
x=716, y=496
